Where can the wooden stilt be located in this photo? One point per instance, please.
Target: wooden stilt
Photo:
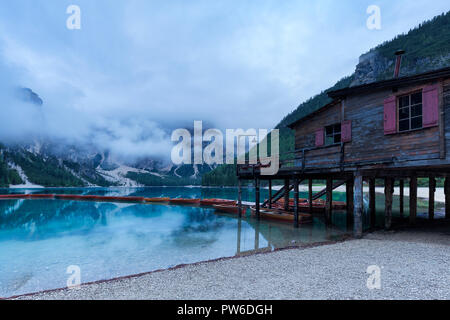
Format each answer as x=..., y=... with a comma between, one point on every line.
x=402, y=198
x=240, y=197
x=286, y=194
x=310, y=195
x=447, y=198
x=349, y=185
x=413, y=200
x=359, y=207
x=296, y=208
x=388, y=191
x=372, y=201
x=239, y=231
x=270, y=194
x=432, y=190
x=257, y=236
x=257, y=197
x=329, y=201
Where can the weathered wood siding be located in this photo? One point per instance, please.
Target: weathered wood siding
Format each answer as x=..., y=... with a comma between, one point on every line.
x=369, y=142
x=305, y=137
x=446, y=102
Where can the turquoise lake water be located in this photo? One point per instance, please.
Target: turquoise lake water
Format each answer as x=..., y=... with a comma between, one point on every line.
x=40, y=239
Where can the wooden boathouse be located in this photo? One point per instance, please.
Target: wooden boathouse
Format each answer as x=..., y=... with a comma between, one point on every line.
x=395, y=130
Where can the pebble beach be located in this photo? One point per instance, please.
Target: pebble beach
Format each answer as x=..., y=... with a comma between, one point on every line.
x=414, y=264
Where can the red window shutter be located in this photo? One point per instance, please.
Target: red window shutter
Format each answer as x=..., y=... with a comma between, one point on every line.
x=390, y=115
x=430, y=103
x=320, y=137
x=346, y=131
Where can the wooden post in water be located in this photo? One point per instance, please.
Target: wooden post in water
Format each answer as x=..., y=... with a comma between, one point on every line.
x=286, y=194
x=257, y=197
x=447, y=197
x=349, y=194
x=310, y=195
x=388, y=192
x=432, y=190
x=359, y=207
x=413, y=199
x=239, y=231
x=402, y=200
x=329, y=200
x=372, y=201
x=296, y=195
x=240, y=197
x=270, y=193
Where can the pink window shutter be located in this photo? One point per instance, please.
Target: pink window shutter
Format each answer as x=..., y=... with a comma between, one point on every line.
x=430, y=103
x=320, y=137
x=390, y=115
x=346, y=131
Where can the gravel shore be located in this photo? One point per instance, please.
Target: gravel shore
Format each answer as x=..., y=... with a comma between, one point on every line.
x=414, y=265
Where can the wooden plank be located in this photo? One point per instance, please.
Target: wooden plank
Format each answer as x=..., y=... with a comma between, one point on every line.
x=372, y=205
x=389, y=192
x=432, y=190
x=358, y=206
x=413, y=200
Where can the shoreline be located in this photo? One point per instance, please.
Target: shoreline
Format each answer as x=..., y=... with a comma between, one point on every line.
x=302, y=272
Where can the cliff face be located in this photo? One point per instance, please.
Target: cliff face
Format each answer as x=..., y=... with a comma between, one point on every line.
x=373, y=66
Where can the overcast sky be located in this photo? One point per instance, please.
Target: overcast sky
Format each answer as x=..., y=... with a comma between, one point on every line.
x=138, y=67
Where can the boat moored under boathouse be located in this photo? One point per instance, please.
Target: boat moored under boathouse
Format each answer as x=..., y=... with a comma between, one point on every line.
x=397, y=130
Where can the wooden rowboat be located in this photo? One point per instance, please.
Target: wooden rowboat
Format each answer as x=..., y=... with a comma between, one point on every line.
x=41, y=196
x=14, y=196
x=157, y=199
x=184, y=201
x=274, y=214
x=228, y=208
x=212, y=202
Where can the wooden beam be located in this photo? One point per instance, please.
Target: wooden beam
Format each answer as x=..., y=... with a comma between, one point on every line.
x=402, y=198
x=296, y=208
x=389, y=192
x=431, y=192
x=447, y=198
x=413, y=199
x=324, y=191
x=270, y=194
x=286, y=194
x=359, y=207
x=257, y=197
x=329, y=201
x=372, y=206
x=240, y=197
x=349, y=194
x=310, y=194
